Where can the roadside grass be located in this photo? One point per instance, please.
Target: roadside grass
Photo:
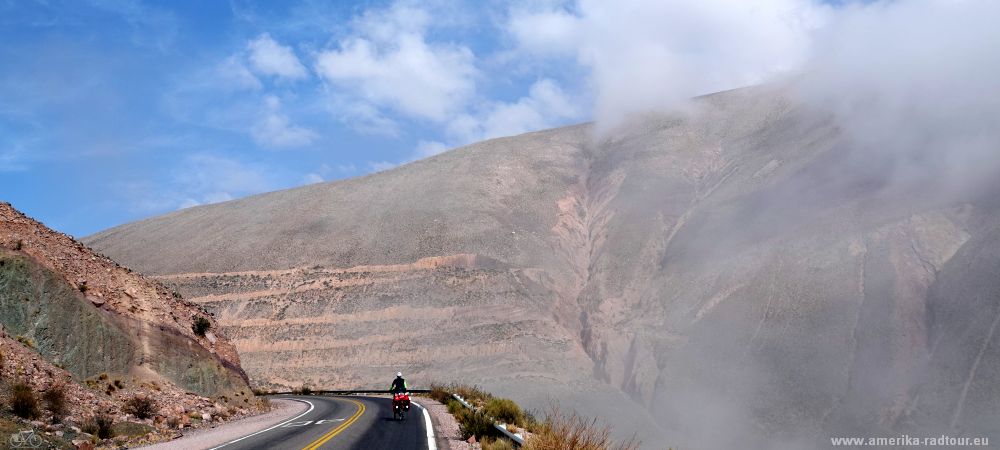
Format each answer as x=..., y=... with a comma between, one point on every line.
x=496, y=444
x=557, y=431
x=561, y=431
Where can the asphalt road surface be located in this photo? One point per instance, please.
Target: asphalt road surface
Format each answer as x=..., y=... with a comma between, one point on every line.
x=340, y=423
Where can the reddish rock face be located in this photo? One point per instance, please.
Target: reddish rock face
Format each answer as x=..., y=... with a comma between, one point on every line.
x=76, y=321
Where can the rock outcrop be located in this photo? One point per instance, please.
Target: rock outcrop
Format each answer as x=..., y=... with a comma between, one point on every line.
x=74, y=319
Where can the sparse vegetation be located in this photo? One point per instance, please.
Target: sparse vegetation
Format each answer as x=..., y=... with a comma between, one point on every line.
x=439, y=393
x=201, y=325
x=55, y=401
x=557, y=432
x=101, y=426
x=497, y=444
x=572, y=432
x=122, y=429
x=18, y=245
x=23, y=401
x=140, y=406
x=26, y=341
x=504, y=410
x=474, y=423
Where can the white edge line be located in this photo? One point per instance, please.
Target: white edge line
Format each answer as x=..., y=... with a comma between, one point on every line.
x=311, y=406
x=431, y=443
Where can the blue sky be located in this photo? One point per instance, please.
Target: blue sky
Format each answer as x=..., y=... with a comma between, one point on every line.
x=114, y=110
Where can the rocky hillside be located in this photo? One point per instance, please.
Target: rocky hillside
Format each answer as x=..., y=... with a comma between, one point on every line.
x=737, y=276
x=75, y=319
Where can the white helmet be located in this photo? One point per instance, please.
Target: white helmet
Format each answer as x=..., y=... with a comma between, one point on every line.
x=399, y=374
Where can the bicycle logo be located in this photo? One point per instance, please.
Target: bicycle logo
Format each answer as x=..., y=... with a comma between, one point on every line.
x=25, y=439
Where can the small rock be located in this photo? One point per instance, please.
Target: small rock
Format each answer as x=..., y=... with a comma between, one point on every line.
x=59, y=433
x=97, y=301
x=471, y=440
x=83, y=445
x=75, y=429
x=37, y=423
x=206, y=417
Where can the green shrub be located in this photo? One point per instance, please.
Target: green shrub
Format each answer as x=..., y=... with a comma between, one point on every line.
x=23, y=401
x=504, y=410
x=474, y=423
x=201, y=325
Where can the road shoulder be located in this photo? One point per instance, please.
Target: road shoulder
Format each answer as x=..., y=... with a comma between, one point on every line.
x=446, y=429
x=282, y=410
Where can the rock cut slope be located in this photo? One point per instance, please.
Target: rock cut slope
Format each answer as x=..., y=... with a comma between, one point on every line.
x=85, y=314
x=738, y=265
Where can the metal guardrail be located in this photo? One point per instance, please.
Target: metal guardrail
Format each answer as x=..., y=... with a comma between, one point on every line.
x=499, y=426
x=349, y=392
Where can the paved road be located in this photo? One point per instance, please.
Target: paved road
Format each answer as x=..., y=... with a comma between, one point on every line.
x=341, y=423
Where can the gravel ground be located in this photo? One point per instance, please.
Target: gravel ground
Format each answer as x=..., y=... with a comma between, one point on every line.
x=445, y=426
x=211, y=437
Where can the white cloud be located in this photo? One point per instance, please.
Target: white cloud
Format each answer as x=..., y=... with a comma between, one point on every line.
x=379, y=166
x=312, y=178
x=914, y=84
x=429, y=148
x=210, y=178
x=551, y=32
x=274, y=129
x=233, y=74
x=271, y=58
x=545, y=106
x=654, y=54
x=389, y=64
x=198, y=179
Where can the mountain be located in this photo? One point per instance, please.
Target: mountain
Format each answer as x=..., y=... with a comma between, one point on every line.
x=75, y=318
x=739, y=275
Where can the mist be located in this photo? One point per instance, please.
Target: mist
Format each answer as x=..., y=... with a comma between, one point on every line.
x=877, y=193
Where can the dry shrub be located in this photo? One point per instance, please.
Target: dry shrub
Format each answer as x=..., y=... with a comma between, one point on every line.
x=201, y=325
x=141, y=406
x=572, y=432
x=439, y=393
x=104, y=425
x=100, y=425
x=23, y=401
x=55, y=401
x=471, y=394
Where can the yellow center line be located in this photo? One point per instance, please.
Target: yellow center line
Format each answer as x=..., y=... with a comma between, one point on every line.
x=329, y=435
